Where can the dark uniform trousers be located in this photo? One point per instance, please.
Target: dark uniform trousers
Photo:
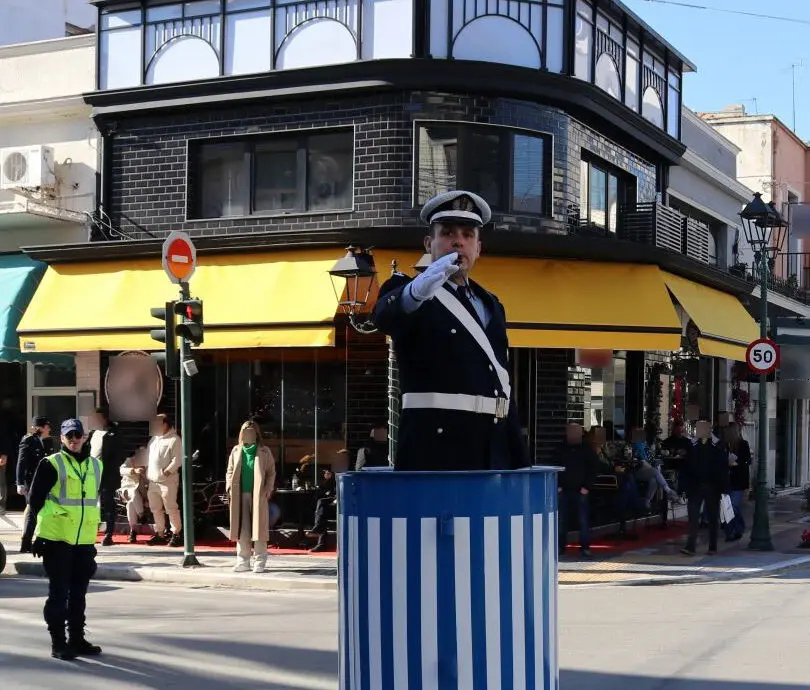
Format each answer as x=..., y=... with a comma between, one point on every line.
x=69, y=569
x=437, y=354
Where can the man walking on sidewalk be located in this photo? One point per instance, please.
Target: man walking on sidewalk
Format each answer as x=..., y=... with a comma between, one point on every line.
x=576, y=482
x=706, y=479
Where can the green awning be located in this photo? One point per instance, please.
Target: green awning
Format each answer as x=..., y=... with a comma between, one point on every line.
x=19, y=277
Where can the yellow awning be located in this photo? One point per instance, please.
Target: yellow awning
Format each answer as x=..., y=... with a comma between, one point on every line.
x=278, y=299
x=726, y=328
x=573, y=304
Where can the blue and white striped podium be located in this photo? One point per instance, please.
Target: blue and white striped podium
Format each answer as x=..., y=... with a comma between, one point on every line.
x=448, y=580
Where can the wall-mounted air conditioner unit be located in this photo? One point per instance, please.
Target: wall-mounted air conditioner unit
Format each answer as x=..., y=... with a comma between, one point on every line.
x=26, y=166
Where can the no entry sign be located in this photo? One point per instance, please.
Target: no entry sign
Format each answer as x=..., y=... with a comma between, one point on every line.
x=762, y=356
x=179, y=257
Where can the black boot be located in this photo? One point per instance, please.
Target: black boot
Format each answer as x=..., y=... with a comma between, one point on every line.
x=81, y=647
x=60, y=648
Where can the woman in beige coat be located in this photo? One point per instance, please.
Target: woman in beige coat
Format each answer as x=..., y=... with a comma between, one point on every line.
x=250, y=481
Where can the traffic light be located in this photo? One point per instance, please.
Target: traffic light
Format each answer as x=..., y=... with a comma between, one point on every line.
x=170, y=357
x=191, y=327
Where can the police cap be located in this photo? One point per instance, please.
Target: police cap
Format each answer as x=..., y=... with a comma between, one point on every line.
x=457, y=206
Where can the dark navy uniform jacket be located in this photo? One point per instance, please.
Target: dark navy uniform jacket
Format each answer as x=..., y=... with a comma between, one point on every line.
x=436, y=354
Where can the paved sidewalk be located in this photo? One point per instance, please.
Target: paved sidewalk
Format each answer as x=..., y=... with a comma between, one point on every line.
x=139, y=562
x=662, y=563
x=657, y=562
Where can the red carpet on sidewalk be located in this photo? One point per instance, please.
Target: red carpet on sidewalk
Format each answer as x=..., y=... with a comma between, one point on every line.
x=647, y=537
x=223, y=545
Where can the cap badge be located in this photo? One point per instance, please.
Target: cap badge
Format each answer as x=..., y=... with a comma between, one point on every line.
x=463, y=203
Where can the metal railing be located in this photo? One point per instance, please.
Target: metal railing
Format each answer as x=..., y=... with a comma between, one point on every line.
x=788, y=274
x=650, y=223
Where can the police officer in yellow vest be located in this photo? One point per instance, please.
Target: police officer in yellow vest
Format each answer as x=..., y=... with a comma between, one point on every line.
x=64, y=497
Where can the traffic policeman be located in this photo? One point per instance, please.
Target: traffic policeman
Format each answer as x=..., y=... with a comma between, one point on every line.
x=64, y=497
x=449, y=336
x=31, y=450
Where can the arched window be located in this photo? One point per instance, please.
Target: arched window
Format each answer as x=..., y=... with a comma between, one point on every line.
x=607, y=76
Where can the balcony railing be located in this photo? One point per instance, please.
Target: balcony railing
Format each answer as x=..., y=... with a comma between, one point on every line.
x=653, y=224
x=788, y=274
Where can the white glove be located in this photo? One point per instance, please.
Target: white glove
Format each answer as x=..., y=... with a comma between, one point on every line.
x=427, y=284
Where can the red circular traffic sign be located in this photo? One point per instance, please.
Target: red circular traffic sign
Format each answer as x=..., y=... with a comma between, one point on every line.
x=762, y=356
x=179, y=257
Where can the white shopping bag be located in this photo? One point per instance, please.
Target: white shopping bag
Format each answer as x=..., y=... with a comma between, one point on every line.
x=726, y=509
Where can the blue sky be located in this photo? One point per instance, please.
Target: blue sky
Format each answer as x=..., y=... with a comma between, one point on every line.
x=740, y=58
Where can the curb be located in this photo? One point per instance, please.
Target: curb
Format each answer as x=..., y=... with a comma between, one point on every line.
x=194, y=577
x=699, y=579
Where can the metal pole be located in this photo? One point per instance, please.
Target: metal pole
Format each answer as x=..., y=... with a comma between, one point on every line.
x=761, y=530
x=189, y=559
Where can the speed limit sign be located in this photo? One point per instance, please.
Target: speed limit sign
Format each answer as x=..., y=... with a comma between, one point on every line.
x=762, y=356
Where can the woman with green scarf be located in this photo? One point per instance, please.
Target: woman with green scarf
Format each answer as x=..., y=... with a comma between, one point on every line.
x=250, y=482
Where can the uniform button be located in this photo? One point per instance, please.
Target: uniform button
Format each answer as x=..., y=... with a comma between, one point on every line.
x=439, y=430
x=453, y=331
x=490, y=367
x=496, y=391
x=494, y=420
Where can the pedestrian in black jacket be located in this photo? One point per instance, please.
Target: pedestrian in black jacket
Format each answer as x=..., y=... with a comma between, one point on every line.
x=33, y=447
x=739, y=462
x=103, y=443
x=706, y=478
x=575, y=484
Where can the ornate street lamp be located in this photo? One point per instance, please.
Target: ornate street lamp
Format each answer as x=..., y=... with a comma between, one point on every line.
x=765, y=230
x=358, y=272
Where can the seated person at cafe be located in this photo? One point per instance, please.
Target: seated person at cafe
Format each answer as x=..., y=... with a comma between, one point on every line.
x=325, y=509
x=647, y=469
x=616, y=459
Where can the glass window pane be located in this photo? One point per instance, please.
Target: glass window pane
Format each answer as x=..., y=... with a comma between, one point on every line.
x=234, y=5
x=616, y=32
x=602, y=23
x=673, y=112
x=330, y=171
x=584, y=9
x=163, y=13
x=223, y=180
x=437, y=161
x=607, y=76
x=117, y=20
x=632, y=48
x=57, y=408
x=527, y=174
x=202, y=7
x=631, y=84
x=555, y=22
x=482, y=163
x=583, y=54
x=613, y=202
x=651, y=108
x=597, y=199
x=278, y=176
x=50, y=377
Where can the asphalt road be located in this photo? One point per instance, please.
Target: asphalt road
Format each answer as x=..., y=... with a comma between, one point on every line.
x=745, y=635
x=174, y=637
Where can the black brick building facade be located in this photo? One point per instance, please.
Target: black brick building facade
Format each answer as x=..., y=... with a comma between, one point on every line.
x=149, y=175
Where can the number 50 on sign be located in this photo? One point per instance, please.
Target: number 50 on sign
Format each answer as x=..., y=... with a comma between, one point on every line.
x=762, y=356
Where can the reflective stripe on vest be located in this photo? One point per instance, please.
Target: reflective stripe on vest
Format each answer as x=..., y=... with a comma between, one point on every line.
x=62, y=498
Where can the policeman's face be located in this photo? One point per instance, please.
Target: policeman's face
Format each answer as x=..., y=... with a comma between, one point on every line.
x=45, y=431
x=446, y=238
x=73, y=441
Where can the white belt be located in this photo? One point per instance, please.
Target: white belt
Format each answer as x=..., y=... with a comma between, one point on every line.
x=499, y=407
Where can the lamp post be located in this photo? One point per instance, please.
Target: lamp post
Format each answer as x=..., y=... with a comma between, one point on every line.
x=765, y=231
x=357, y=269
